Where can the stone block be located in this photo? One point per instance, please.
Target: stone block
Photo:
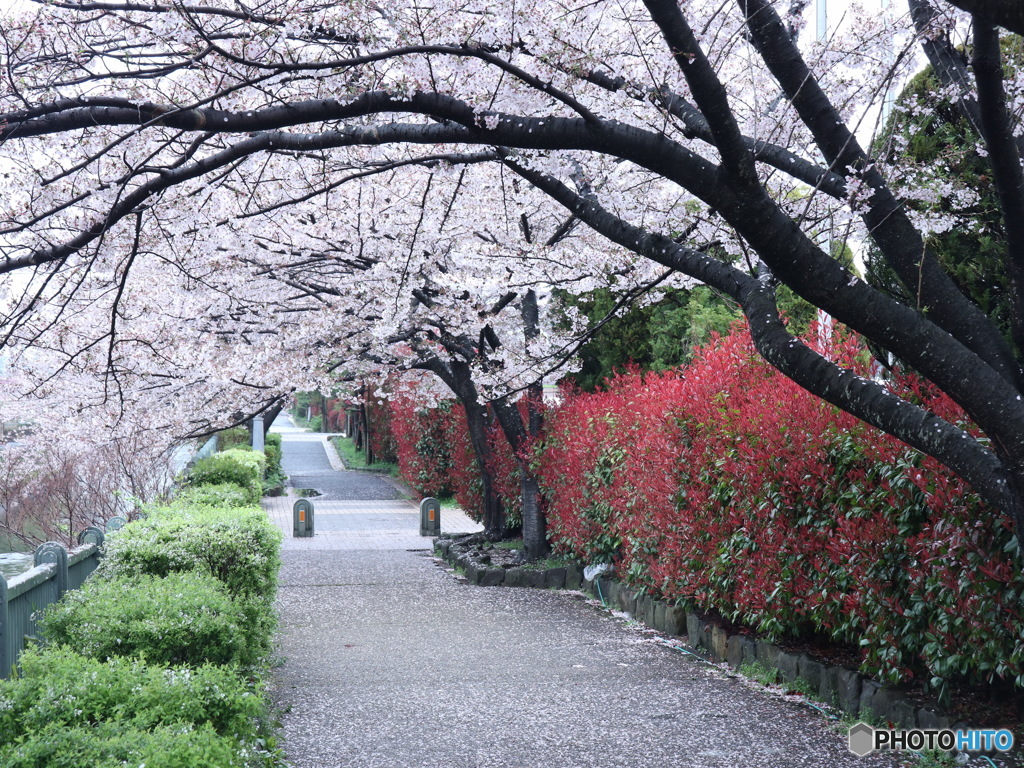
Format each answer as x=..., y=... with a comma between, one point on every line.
x=473, y=572
x=740, y=650
x=749, y=650
x=626, y=599
x=611, y=594
x=534, y=578
x=659, y=615
x=719, y=643
x=893, y=707
x=492, y=577
x=810, y=671
x=554, y=578
x=827, y=686
x=514, y=577
x=640, y=606
x=694, y=627
x=675, y=620
x=650, y=606
x=573, y=576
x=787, y=663
x=932, y=720
x=868, y=689
x=767, y=655
x=847, y=690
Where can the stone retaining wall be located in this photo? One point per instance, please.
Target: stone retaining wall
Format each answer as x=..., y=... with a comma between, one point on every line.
x=845, y=689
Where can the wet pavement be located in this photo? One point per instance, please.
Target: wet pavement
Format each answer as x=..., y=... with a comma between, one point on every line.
x=392, y=661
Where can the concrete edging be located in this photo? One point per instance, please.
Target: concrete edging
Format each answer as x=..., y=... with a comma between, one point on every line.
x=845, y=689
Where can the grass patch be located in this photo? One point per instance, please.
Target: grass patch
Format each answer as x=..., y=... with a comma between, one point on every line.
x=356, y=459
x=759, y=672
x=510, y=544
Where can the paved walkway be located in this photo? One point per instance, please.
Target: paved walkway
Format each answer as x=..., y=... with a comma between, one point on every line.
x=355, y=510
x=392, y=662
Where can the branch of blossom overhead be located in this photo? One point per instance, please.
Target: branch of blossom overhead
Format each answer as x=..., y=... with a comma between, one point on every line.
x=780, y=242
x=949, y=64
x=206, y=428
x=868, y=400
x=432, y=160
x=314, y=32
x=898, y=240
x=1002, y=13
x=707, y=89
x=461, y=51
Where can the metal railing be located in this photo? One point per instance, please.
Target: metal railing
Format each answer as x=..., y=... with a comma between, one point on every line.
x=56, y=570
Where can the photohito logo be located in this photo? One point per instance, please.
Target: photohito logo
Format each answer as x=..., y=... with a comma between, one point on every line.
x=865, y=739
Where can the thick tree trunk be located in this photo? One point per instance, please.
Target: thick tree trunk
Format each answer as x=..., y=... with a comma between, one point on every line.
x=494, y=511
x=458, y=377
x=270, y=415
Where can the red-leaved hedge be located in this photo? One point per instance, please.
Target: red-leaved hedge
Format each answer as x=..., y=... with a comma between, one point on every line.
x=726, y=486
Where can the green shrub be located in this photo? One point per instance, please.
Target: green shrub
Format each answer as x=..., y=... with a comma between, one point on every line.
x=241, y=547
x=58, y=686
x=272, y=449
x=218, y=495
x=184, y=618
x=239, y=466
x=233, y=438
x=110, y=745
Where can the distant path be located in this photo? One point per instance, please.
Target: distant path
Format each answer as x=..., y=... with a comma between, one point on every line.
x=356, y=510
x=391, y=662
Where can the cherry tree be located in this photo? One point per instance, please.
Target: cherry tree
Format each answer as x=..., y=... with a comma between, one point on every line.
x=465, y=299
x=706, y=138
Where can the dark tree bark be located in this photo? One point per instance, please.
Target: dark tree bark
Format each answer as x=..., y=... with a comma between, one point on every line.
x=458, y=377
x=1003, y=13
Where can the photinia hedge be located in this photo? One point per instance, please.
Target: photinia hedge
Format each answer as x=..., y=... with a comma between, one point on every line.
x=725, y=486
x=436, y=457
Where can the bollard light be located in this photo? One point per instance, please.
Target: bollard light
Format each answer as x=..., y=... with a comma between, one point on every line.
x=302, y=518
x=430, y=517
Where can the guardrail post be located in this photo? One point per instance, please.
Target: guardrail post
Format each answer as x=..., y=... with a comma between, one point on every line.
x=52, y=552
x=257, y=433
x=116, y=523
x=91, y=535
x=5, y=630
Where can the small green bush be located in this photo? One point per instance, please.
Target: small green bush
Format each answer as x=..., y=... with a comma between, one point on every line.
x=111, y=745
x=241, y=547
x=220, y=495
x=242, y=467
x=272, y=449
x=184, y=618
x=58, y=686
x=232, y=438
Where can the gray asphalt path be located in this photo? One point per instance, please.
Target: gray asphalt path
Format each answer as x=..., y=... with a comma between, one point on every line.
x=306, y=462
x=390, y=661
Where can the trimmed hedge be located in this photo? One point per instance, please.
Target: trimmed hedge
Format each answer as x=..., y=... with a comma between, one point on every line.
x=112, y=745
x=229, y=495
x=241, y=466
x=182, y=618
x=59, y=686
x=241, y=547
x=727, y=487
x=158, y=660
